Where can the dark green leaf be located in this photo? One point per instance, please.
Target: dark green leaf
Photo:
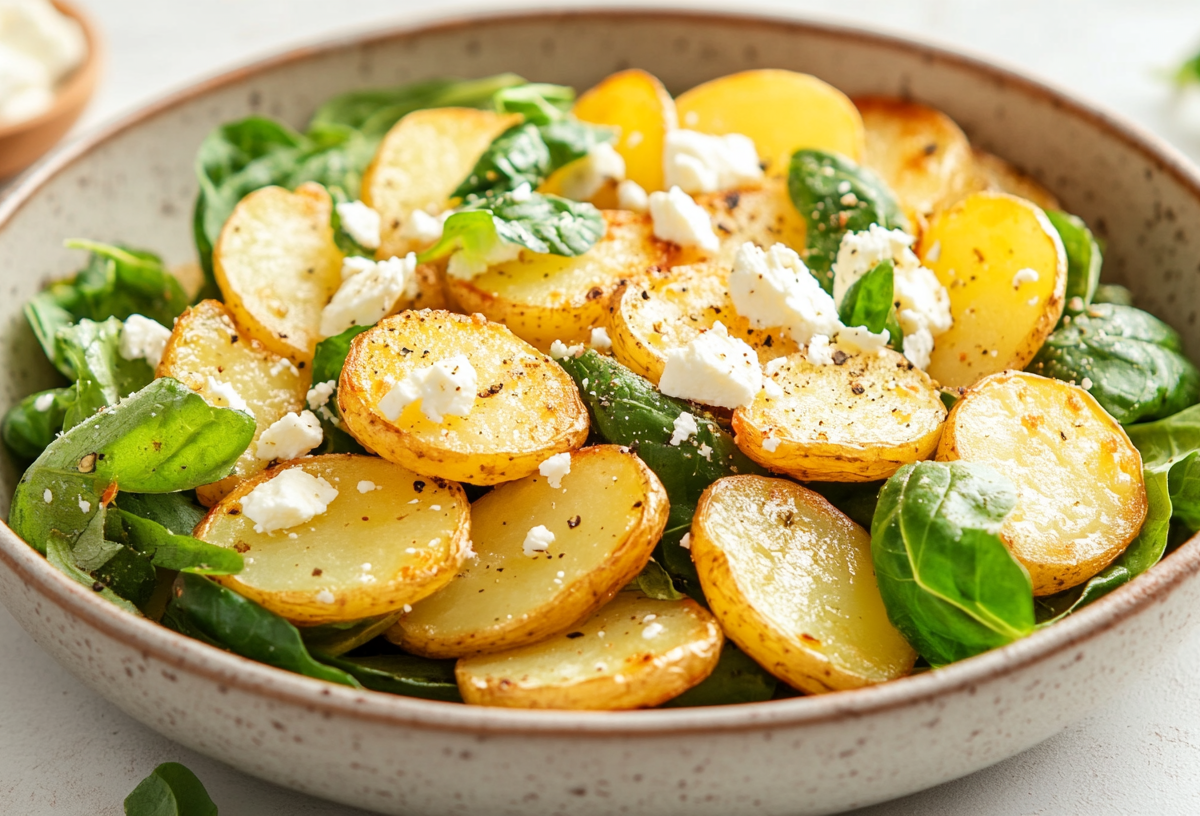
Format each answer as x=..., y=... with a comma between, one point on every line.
x=407, y=675
x=949, y=584
x=1134, y=361
x=856, y=499
x=1083, y=259
x=327, y=364
x=836, y=196
x=28, y=430
x=177, y=512
x=59, y=554
x=336, y=639
x=539, y=103
x=129, y=574
x=654, y=582
x=89, y=353
x=245, y=628
x=175, y=552
x=869, y=301
x=1112, y=293
x=171, y=790
x=736, y=679
x=527, y=154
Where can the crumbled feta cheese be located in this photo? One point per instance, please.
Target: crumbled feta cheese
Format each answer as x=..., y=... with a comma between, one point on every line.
x=366, y=486
x=467, y=264
x=713, y=369
x=555, y=468
x=446, y=387
x=685, y=427
x=705, y=451
x=680, y=220
x=44, y=402
x=423, y=227
x=1075, y=304
x=860, y=252
x=1025, y=275
x=771, y=444
x=1033, y=301
x=369, y=296
x=223, y=395
x=686, y=541
x=600, y=340
x=819, y=351
x=775, y=288
x=47, y=496
x=935, y=252
x=918, y=347
x=291, y=498
x=559, y=350
x=537, y=540
x=632, y=196
x=84, y=504
x=143, y=339
x=857, y=339
x=407, y=608
x=353, y=264
x=652, y=630
x=290, y=436
x=700, y=163
x=585, y=177
x=522, y=193
x=1086, y=383
x=772, y=389
x=360, y=222
x=320, y=393
x=325, y=597
x=39, y=46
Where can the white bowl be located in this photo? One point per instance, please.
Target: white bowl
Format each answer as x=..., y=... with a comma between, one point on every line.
x=133, y=182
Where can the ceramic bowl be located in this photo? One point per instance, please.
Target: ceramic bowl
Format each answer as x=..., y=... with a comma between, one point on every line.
x=23, y=143
x=134, y=182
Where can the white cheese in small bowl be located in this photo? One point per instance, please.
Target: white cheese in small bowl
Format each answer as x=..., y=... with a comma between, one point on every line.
x=39, y=47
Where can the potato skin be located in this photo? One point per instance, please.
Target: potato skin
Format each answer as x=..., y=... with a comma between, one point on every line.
x=995, y=174
x=535, y=411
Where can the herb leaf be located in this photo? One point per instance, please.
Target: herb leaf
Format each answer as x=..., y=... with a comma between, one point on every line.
x=654, y=582
x=335, y=639
x=539, y=103
x=175, y=552
x=328, y=361
x=1083, y=258
x=407, y=675
x=869, y=303
x=59, y=553
x=527, y=154
x=88, y=352
x=27, y=431
x=171, y=790
x=736, y=679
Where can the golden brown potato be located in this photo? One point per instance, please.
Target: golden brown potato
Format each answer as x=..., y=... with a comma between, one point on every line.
x=381, y=544
x=1005, y=270
x=782, y=111
x=527, y=408
x=855, y=422
x=420, y=162
x=277, y=267
x=635, y=652
x=208, y=352
x=673, y=307
x=763, y=215
x=606, y=517
x=995, y=174
x=640, y=106
x=1081, y=497
x=791, y=581
x=543, y=298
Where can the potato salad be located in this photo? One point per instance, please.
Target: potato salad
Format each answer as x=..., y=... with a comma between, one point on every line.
x=488, y=393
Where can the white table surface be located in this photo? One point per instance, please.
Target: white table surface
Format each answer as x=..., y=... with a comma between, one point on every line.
x=63, y=750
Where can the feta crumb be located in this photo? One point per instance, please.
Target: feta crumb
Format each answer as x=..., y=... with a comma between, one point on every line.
x=43, y=402
x=774, y=288
x=424, y=228
x=142, y=338
x=705, y=451
x=848, y=200
x=686, y=541
x=367, y=486
x=772, y=389
x=680, y=220
x=407, y=608
x=47, y=496
x=555, y=468
x=1075, y=304
x=290, y=498
x=857, y=339
x=600, y=340
x=223, y=395
x=366, y=298
x=685, y=428
x=467, y=264
x=701, y=163
x=537, y=540
x=290, y=436
x=354, y=264
x=1086, y=383
x=583, y=178
x=632, y=196
x=713, y=369
x=360, y=222
x=652, y=630
x=559, y=350
x=320, y=393
x=918, y=347
x=776, y=365
x=522, y=193
x=819, y=351
x=771, y=444
x=1025, y=275
x=84, y=504
x=446, y=387
x=935, y=252
x=325, y=597
x=283, y=364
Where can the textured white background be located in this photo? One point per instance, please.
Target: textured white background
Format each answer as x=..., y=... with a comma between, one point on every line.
x=65, y=751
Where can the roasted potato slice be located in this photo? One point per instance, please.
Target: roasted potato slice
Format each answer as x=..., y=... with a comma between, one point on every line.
x=208, y=352
x=1005, y=269
x=995, y=174
x=782, y=111
x=277, y=267
x=421, y=161
x=854, y=422
x=670, y=309
x=920, y=152
x=606, y=517
x=763, y=215
x=1081, y=497
x=791, y=581
x=543, y=298
x=638, y=104
x=527, y=409
x=389, y=539
x=635, y=652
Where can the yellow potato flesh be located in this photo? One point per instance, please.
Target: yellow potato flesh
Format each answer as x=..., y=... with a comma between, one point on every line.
x=791, y=581
x=207, y=343
x=543, y=298
x=669, y=310
x=635, y=652
x=606, y=518
x=277, y=267
x=530, y=409
x=782, y=111
x=763, y=216
x=977, y=248
x=1081, y=497
x=640, y=106
x=858, y=421
x=371, y=553
x=421, y=161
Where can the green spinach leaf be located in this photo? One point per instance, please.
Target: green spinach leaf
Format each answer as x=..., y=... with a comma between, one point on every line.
x=1083, y=259
x=177, y=512
x=335, y=639
x=869, y=303
x=171, y=790
x=328, y=360
x=527, y=154
x=34, y=422
x=654, y=582
x=855, y=499
x=948, y=582
x=168, y=550
x=736, y=679
x=406, y=675
x=61, y=555
x=89, y=353
x=539, y=103
x=1113, y=293
x=1188, y=73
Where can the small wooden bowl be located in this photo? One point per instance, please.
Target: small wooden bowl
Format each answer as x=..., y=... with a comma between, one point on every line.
x=23, y=143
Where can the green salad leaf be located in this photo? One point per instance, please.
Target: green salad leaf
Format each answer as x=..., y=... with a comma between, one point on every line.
x=346, y=243
x=406, y=675
x=89, y=353
x=176, y=512
x=736, y=679
x=1188, y=72
x=60, y=553
x=539, y=103
x=335, y=639
x=328, y=360
x=169, y=550
x=870, y=303
x=1133, y=360
x=34, y=422
x=948, y=582
x=1113, y=293
x=171, y=790
x=654, y=582
x=857, y=500
x=1083, y=259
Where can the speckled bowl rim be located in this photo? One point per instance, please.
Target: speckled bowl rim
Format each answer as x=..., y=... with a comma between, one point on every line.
x=1056, y=643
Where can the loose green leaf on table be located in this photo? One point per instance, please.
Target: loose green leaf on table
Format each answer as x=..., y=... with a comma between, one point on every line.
x=34, y=422
x=406, y=675
x=171, y=790
x=948, y=582
x=1083, y=259
x=1188, y=73
x=736, y=679
x=1133, y=361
